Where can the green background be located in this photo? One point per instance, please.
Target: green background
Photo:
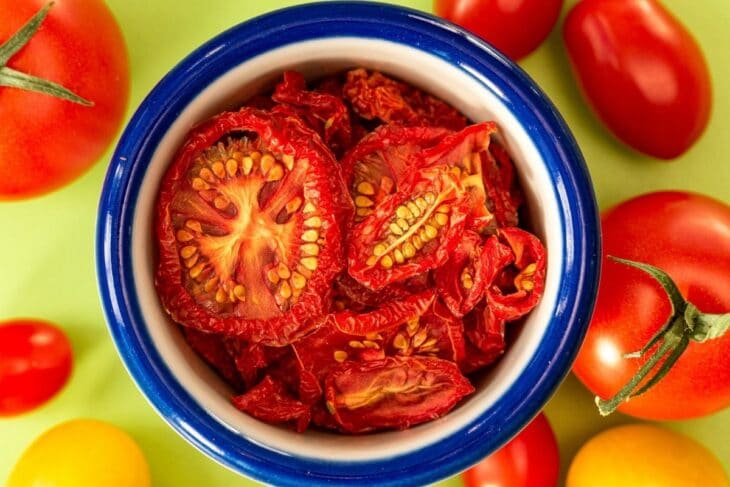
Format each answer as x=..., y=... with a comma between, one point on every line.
x=47, y=244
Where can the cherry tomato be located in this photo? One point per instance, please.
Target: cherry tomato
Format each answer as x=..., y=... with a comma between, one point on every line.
x=688, y=236
x=35, y=363
x=515, y=27
x=47, y=142
x=642, y=72
x=82, y=452
x=530, y=459
x=641, y=455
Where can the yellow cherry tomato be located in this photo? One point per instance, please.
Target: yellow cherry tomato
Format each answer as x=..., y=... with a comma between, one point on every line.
x=640, y=455
x=82, y=453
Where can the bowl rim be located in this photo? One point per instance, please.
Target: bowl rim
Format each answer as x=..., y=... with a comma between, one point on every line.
x=566, y=167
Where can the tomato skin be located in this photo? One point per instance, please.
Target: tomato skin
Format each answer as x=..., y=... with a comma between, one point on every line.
x=530, y=459
x=686, y=235
x=51, y=142
x=642, y=72
x=642, y=455
x=82, y=452
x=515, y=27
x=35, y=363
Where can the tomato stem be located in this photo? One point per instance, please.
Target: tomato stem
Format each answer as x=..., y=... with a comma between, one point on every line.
x=685, y=323
x=15, y=79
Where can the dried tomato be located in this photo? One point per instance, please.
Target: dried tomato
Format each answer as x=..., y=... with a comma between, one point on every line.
x=411, y=231
x=376, y=96
x=323, y=112
x=352, y=295
x=523, y=284
x=269, y=401
x=379, y=163
x=460, y=282
x=249, y=224
x=212, y=348
x=393, y=393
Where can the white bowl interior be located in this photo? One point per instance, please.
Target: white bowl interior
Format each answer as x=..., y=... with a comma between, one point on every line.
x=315, y=59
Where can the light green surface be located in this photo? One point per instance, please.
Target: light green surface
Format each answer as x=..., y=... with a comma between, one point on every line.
x=47, y=244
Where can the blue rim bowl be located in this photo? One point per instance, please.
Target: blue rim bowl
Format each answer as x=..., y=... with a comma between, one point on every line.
x=575, y=264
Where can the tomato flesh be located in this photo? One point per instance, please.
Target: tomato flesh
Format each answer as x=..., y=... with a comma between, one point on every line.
x=249, y=241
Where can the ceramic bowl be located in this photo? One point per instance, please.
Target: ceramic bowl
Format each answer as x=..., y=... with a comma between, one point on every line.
x=319, y=39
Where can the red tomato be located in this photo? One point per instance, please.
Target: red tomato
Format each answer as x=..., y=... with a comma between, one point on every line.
x=642, y=72
x=35, y=363
x=515, y=27
x=687, y=236
x=531, y=459
x=46, y=142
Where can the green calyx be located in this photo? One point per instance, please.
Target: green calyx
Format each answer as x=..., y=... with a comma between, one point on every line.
x=15, y=79
x=685, y=324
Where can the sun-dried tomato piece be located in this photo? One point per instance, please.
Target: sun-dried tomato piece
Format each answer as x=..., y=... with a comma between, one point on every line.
x=353, y=296
x=212, y=348
x=269, y=401
x=323, y=112
x=460, y=282
x=376, y=96
x=504, y=196
x=379, y=163
x=393, y=393
x=252, y=358
x=384, y=316
x=486, y=341
x=522, y=285
x=436, y=333
x=249, y=222
x=411, y=231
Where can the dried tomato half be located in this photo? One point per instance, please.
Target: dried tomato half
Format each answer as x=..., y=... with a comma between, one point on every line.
x=270, y=401
x=212, y=348
x=351, y=295
x=323, y=112
x=486, y=341
x=461, y=281
x=411, y=231
x=393, y=393
x=379, y=163
x=517, y=289
x=249, y=226
x=376, y=96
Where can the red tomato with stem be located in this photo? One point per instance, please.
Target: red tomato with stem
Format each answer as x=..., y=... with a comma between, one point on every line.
x=45, y=141
x=642, y=72
x=515, y=27
x=35, y=363
x=531, y=459
x=688, y=236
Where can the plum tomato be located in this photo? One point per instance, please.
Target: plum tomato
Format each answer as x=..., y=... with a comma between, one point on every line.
x=687, y=236
x=53, y=134
x=530, y=459
x=249, y=227
x=638, y=455
x=82, y=452
x=515, y=27
x=35, y=363
x=642, y=72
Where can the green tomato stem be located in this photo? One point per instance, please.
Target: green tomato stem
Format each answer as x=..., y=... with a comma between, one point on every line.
x=686, y=323
x=15, y=79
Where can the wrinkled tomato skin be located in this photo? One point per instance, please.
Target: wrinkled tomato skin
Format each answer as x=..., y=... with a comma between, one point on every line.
x=46, y=142
x=530, y=459
x=515, y=27
x=35, y=363
x=642, y=72
x=688, y=236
